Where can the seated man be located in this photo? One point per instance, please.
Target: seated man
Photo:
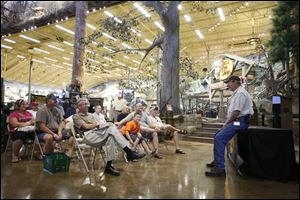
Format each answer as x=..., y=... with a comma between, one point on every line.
x=123, y=114
x=99, y=117
x=49, y=125
x=100, y=135
x=155, y=122
x=132, y=132
x=145, y=129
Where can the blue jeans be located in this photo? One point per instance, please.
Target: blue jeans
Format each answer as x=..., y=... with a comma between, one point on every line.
x=223, y=136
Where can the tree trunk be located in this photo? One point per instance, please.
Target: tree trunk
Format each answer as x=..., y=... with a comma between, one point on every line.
x=170, y=73
x=79, y=54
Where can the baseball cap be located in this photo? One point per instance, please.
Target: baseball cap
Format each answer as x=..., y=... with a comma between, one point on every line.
x=232, y=78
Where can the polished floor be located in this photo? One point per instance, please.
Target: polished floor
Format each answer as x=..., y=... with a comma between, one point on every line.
x=174, y=176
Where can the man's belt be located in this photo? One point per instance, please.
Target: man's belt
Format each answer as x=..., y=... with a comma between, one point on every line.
x=247, y=117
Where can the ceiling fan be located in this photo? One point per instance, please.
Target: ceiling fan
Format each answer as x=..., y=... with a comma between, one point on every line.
x=252, y=40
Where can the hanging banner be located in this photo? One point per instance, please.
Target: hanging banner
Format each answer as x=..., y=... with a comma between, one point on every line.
x=226, y=69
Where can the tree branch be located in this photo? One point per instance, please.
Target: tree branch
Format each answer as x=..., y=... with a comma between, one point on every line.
x=159, y=8
x=157, y=42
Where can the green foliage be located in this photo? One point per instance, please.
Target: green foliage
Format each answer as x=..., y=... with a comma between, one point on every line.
x=285, y=32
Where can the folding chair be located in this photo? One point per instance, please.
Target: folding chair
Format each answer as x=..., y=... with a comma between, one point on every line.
x=79, y=146
x=36, y=141
x=26, y=144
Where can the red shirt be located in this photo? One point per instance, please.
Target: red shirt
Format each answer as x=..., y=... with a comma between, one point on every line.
x=27, y=116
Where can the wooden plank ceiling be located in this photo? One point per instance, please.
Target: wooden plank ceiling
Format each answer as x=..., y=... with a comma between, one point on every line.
x=243, y=20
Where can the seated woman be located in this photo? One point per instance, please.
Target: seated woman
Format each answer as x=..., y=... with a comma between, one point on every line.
x=155, y=122
x=132, y=133
x=20, y=127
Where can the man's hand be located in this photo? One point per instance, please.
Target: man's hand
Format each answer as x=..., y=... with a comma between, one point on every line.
x=225, y=125
x=58, y=137
x=32, y=121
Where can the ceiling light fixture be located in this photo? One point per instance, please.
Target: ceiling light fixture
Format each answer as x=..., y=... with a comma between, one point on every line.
x=121, y=64
x=57, y=66
x=136, y=61
x=108, y=59
x=67, y=64
x=64, y=29
x=159, y=25
x=91, y=26
x=22, y=57
x=187, y=18
x=39, y=61
x=93, y=60
x=29, y=38
x=108, y=13
x=50, y=59
x=125, y=45
x=221, y=14
x=66, y=58
x=179, y=7
x=5, y=46
x=41, y=50
x=68, y=43
x=110, y=37
x=147, y=40
x=198, y=32
x=11, y=41
x=54, y=47
x=142, y=10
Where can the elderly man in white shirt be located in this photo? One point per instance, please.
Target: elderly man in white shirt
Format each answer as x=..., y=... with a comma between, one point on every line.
x=240, y=108
x=99, y=117
x=155, y=122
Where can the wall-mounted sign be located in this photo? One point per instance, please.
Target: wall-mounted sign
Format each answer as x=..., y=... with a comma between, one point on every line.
x=226, y=69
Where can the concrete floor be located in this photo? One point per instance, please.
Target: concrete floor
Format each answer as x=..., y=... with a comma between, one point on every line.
x=175, y=176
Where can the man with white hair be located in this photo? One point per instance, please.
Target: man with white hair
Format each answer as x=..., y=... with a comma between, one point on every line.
x=99, y=117
x=96, y=134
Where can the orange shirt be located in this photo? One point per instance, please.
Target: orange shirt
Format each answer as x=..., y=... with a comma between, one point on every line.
x=132, y=127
